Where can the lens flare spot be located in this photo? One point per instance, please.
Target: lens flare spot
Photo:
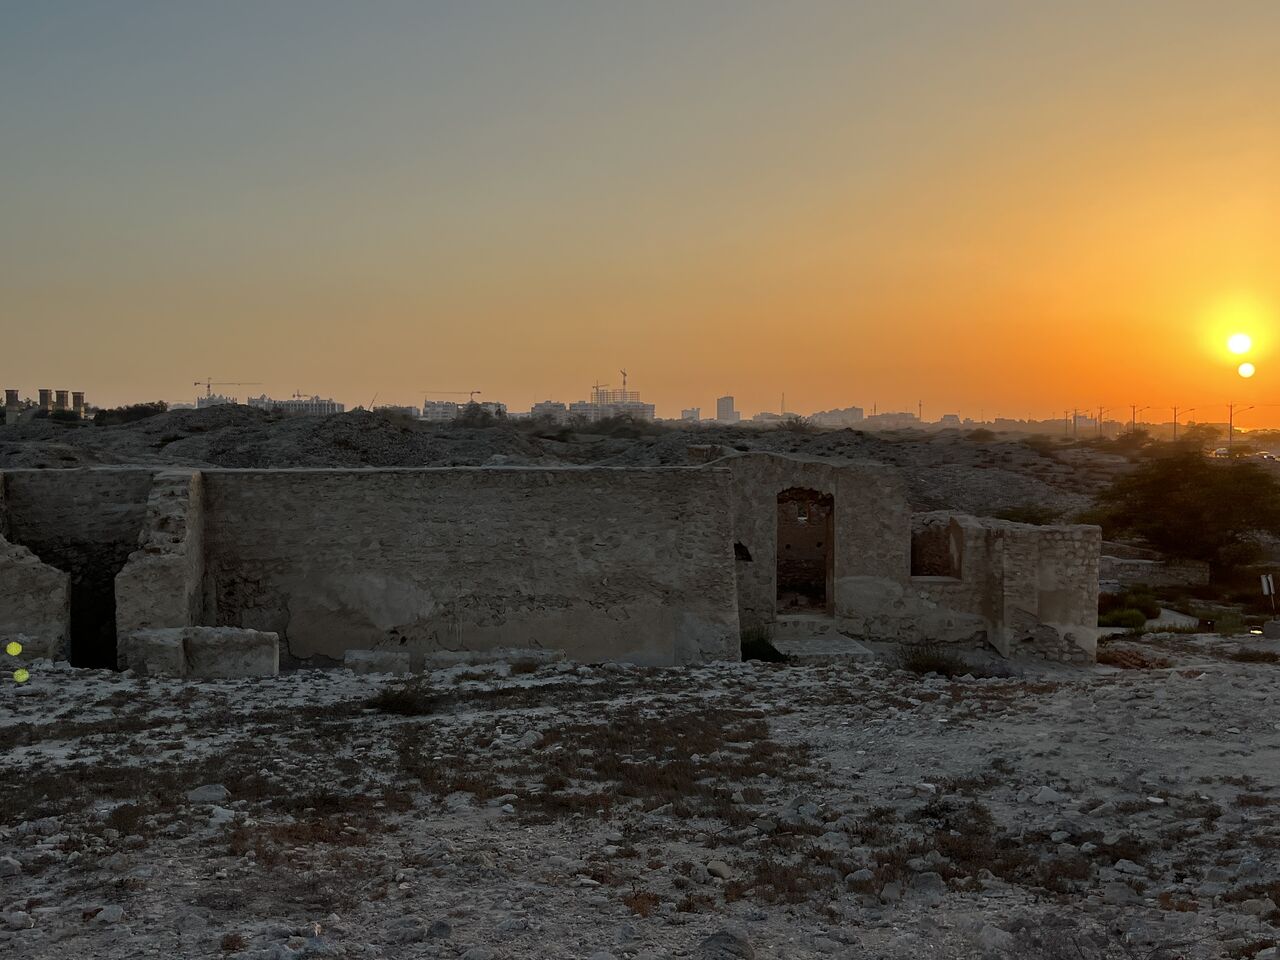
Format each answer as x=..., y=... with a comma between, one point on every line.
x=13, y=648
x=21, y=675
x=1246, y=370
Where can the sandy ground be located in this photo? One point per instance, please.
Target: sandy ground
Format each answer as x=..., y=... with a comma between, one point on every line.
x=740, y=810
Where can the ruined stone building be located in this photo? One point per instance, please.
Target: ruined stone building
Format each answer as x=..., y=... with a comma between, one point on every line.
x=663, y=565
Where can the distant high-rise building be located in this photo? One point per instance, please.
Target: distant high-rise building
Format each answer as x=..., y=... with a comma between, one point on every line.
x=693, y=414
x=838, y=418
x=550, y=410
x=605, y=404
x=214, y=400
x=439, y=411
x=725, y=412
x=302, y=406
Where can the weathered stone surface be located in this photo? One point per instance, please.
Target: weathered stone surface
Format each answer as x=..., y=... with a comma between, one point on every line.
x=34, y=603
x=228, y=653
x=1034, y=587
x=625, y=564
x=376, y=661
x=201, y=653
x=649, y=566
x=159, y=653
x=161, y=585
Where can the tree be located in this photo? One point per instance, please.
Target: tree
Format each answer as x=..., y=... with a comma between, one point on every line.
x=129, y=414
x=1188, y=506
x=474, y=415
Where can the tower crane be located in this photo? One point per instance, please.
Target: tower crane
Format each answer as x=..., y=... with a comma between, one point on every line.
x=209, y=383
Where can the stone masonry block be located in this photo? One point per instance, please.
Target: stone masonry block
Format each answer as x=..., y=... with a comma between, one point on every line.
x=229, y=653
x=154, y=653
x=376, y=661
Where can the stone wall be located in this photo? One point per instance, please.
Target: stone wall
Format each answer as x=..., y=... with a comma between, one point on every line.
x=870, y=526
x=84, y=522
x=1132, y=572
x=1035, y=587
x=34, y=606
x=628, y=564
x=162, y=584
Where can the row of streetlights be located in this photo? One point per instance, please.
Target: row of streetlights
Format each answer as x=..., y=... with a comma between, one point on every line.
x=1134, y=410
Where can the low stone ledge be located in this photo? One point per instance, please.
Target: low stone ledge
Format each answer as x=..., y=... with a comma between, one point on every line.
x=460, y=658
x=377, y=661
x=201, y=653
x=152, y=653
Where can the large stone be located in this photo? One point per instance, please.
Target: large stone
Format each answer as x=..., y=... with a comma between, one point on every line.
x=158, y=653
x=376, y=661
x=1271, y=630
x=34, y=607
x=725, y=945
x=230, y=653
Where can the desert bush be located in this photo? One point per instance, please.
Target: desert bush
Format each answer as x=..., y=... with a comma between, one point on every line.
x=1136, y=599
x=930, y=657
x=1127, y=617
x=130, y=414
x=406, y=700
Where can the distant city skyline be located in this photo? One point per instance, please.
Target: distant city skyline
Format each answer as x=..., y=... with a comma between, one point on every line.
x=985, y=208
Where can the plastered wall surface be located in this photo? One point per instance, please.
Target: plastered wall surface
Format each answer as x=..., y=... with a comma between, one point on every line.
x=871, y=527
x=602, y=563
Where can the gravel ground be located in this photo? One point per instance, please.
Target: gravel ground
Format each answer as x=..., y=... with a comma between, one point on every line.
x=730, y=811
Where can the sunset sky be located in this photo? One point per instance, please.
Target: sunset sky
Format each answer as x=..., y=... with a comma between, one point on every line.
x=1012, y=208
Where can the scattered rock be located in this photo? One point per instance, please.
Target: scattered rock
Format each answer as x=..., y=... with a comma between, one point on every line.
x=725, y=944
x=209, y=793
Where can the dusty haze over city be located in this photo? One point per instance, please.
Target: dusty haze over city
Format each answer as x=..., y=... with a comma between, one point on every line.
x=997, y=208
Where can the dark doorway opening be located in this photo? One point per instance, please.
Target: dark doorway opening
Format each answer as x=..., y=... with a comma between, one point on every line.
x=93, y=619
x=92, y=597
x=806, y=569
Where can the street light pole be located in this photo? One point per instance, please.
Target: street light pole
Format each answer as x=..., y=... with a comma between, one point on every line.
x=1231, y=425
x=1175, y=421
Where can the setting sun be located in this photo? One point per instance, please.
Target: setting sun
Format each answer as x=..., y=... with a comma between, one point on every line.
x=1239, y=343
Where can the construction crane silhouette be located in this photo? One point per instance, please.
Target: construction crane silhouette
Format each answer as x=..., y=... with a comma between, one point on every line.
x=209, y=383
x=471, y=394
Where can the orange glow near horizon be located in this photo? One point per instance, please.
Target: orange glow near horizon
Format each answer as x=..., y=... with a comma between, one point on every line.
x=1002, y=210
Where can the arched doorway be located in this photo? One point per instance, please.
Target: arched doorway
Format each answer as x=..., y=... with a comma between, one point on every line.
x=806, y=568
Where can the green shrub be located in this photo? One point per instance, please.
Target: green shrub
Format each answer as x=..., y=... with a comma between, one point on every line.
x=1188, y=506
x=1129, y=600
x=1127, y=617
x=130, y=414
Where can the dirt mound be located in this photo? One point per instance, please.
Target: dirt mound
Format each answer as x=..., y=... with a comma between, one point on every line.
x=947, y=470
